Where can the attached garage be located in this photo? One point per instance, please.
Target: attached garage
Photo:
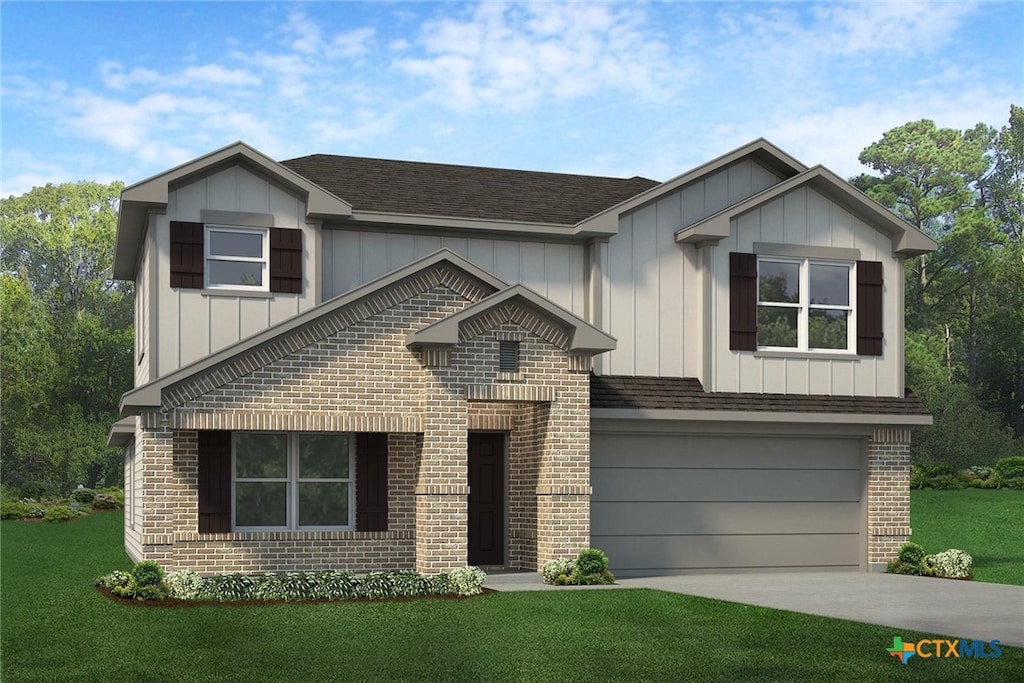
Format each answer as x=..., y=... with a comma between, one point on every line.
x=684, y=499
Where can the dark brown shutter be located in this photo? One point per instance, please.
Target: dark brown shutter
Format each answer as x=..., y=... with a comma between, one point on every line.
x=187, y=255
x=742, y=302
x=869, y=308
x=214, y=482
x=371, y=482
x=286, y=260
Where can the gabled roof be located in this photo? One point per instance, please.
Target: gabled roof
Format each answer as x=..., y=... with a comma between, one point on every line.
x=617, y=393
x=427, y=189
x=906, y=239
x=582, y=336
x=761, y=150
x=152, y=193
x=316, y=323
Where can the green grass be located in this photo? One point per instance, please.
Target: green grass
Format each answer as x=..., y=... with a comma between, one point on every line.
x=56, y=627
x=986, y=523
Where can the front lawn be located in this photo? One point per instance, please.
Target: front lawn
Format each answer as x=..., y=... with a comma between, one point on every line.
x=57, y=627
x=986, y=523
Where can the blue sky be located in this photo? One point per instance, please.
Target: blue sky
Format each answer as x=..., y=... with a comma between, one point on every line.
x=104, y=91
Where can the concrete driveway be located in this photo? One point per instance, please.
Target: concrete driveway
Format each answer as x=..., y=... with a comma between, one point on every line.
x=961, y=609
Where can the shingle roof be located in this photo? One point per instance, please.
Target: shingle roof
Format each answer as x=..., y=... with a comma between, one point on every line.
x=687, y=393
x=411, y=187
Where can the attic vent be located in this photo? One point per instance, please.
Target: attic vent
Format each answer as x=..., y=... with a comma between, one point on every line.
x=508, y=356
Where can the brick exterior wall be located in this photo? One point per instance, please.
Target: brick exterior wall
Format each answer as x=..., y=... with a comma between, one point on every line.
x=363, y=378
x=888, y=494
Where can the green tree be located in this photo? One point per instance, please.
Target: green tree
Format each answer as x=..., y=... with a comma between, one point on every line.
x=67, y=336
x=965, y=336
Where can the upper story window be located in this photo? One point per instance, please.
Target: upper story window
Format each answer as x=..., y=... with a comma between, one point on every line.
x=805, y=305
x=810, y=305
x=237, y=258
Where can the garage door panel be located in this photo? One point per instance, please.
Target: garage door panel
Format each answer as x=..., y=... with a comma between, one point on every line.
x=626, y=518
x=618, y=450
x=665, y=554
x=689, y=503
x=663, y=484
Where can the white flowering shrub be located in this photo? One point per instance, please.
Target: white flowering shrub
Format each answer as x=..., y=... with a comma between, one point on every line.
x=949, y=564
x=556, y=568
x=466, y=580
x=184, y=585
x=113, y=580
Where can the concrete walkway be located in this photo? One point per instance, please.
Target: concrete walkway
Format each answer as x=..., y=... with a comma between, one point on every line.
x=958, y=609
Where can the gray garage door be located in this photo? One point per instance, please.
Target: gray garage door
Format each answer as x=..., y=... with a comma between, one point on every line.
x=679, y=504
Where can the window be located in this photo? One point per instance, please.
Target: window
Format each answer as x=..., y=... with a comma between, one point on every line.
x=292, y=481
x=237, y=258
x=805, y=305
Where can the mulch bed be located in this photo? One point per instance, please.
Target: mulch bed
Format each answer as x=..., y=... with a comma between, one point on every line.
x=175, y=603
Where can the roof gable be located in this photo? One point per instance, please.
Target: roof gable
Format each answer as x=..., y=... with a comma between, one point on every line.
x=547, y=321
x=152, y=193
x=761, y=150
x=906, y=239
x=440, y=268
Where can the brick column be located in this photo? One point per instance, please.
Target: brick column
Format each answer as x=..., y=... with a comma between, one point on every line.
x=154, y=444
x=888, y=494
x=442, y=491
x=563, y=486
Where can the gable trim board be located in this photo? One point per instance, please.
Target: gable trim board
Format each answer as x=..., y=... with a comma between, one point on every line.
x=907, y=240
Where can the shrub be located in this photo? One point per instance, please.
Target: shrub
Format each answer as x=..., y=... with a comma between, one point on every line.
x=944, y=482
x=1016, y=483
x=908, y=560
x=591, y=561
x=33, y=508
x=184, y=584
x=1010, y=468
x=83, y=495
x=12, y=509
x=950, y=564
x=113, y=579
x=59, y=513
x=228, y=587
x=148, y=573
x=466, y=580
x=108, y=501
x=557, y=567
x=911, y=553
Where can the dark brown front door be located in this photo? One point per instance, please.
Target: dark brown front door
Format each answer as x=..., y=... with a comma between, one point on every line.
x=486, y=498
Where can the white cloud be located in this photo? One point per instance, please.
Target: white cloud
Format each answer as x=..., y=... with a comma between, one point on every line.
x=216, y=74
x=520, y=56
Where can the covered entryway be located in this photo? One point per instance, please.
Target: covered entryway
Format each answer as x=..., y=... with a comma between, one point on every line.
x=486, y=498
x=679, y=503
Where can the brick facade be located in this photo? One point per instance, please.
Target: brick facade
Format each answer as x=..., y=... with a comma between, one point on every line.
x=363, y=377
x=888, y=494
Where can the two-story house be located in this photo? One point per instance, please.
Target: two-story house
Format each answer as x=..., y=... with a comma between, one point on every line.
x=364, y=364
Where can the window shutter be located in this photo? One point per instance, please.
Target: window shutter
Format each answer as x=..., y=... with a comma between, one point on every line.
x=187, y=255
x=742, y=302
x=371, y=482
x=869, y=308
x=286, y=260
x=214, y=482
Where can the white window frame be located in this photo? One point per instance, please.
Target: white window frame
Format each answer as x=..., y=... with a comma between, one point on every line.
x=292, y=481
x=804, y=305
x=264, y=259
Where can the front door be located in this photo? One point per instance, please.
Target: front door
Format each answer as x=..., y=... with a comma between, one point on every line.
x=486, y=498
